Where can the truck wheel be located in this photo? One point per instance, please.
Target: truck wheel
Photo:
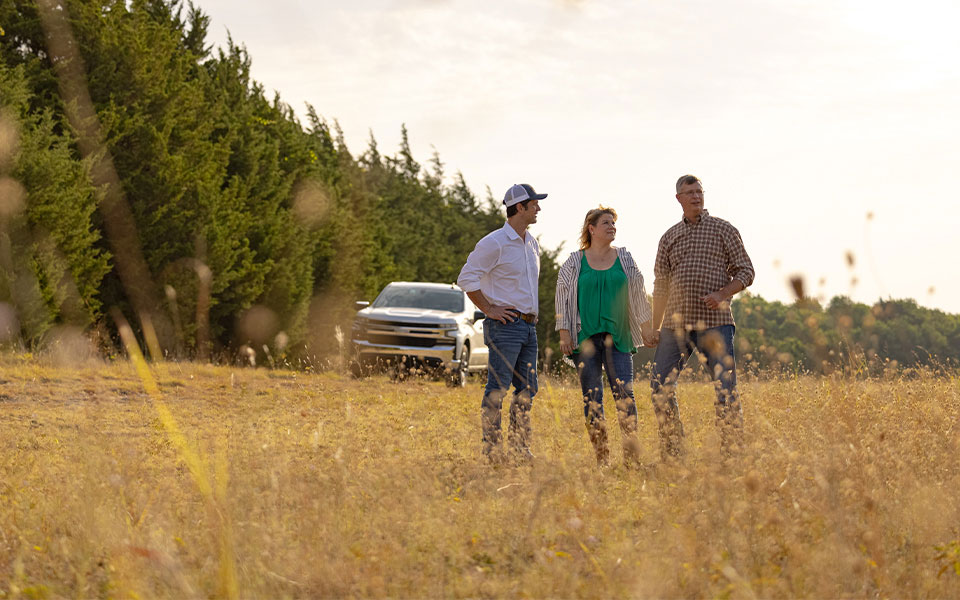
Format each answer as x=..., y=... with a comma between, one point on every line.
x=357, y=370
x=400, y=371
x=458, y=378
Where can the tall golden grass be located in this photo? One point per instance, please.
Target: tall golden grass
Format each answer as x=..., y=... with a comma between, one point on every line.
x=285, y=484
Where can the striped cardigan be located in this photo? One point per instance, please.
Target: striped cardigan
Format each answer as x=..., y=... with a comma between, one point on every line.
x=568, y=313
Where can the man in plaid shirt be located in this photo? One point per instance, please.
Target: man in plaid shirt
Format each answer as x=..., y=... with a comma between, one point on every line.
x=701, y=264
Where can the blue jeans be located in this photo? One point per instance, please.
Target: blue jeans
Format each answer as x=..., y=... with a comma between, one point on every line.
x=512, y=361
x=675, y=348
x=598, y=351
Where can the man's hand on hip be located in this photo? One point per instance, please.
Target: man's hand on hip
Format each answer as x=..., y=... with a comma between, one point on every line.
x=504, y=314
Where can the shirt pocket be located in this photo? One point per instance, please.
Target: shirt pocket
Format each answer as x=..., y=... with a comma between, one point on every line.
x=713, y=252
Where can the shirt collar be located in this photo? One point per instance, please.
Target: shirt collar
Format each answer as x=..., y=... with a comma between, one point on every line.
x=703, y=215
x=511, y=232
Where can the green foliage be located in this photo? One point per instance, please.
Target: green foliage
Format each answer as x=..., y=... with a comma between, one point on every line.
x=547, y=337
x=51, y=267
x=267, y=152
x=207, y=163
x=845, y=336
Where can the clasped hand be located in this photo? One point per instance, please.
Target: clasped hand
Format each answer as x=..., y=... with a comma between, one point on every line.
x=651, y=339
x=566, y=343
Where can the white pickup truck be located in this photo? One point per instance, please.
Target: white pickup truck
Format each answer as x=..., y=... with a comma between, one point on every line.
x=415, y=327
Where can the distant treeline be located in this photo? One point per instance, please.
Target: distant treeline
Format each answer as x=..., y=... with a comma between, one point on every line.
x=845, y=335
x=188, y=199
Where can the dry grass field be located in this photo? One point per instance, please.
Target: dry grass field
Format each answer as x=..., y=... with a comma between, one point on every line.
x=260, y=483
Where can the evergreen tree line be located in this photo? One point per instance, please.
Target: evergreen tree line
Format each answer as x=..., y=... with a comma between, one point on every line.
x=254, y=228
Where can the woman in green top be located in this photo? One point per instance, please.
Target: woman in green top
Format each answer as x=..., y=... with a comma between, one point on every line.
x=601, y=301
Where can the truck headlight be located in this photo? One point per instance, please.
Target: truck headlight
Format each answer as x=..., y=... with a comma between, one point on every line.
x=359, y=328
x=451, y=332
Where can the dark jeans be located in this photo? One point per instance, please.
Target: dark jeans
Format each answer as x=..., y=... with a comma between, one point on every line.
x=675, y=348
x=598, y=351
x=513, y=361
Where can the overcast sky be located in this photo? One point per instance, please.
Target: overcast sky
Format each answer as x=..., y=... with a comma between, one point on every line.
x=819, y=127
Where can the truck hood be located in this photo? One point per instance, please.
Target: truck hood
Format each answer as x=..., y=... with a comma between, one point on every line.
x=409, y=315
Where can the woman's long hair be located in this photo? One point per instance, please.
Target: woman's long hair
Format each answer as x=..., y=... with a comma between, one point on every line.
x=593, y=215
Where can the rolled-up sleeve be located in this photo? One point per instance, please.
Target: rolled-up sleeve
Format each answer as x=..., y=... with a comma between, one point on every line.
x=566, y=310
x=639, y=305
x=662, y=271
x=739, y=265
x=479, y=264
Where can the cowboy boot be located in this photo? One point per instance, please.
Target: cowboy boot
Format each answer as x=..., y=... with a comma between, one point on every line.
x=671, y=436
x=520, y=430
x=669, y=426
x=730, y=426
x=490, y=426
x=598, y=437
x=627, y=417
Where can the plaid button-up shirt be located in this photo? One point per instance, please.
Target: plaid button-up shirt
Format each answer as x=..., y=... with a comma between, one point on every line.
x=695, y=259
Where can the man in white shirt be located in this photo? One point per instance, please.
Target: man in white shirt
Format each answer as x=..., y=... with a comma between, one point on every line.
x=501, y=277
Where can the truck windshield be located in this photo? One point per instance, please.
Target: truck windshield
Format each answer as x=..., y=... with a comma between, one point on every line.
x=426, y=298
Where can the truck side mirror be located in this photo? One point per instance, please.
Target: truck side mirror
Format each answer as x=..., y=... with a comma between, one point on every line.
x=478, y=315
x=361, y=304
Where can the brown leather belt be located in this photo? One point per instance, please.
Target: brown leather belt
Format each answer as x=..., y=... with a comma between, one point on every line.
x=528, y=317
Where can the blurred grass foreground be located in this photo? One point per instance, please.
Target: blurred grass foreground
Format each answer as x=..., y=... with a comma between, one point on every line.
x=290, y=484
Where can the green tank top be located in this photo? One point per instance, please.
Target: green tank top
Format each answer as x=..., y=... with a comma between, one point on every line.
x=603, y=300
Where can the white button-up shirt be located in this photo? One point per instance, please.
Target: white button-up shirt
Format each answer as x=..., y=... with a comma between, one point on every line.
x=505, y=268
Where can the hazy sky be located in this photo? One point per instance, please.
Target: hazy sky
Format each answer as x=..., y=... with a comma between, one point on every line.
x=819, y=127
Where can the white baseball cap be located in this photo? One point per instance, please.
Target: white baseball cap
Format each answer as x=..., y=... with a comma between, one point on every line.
x=520, y=192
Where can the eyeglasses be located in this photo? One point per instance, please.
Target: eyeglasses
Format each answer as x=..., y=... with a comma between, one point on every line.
x=693, y=193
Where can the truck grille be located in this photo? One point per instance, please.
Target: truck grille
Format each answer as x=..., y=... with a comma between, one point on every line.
x=400, y=333
x=401, y=340
x=374, y=324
